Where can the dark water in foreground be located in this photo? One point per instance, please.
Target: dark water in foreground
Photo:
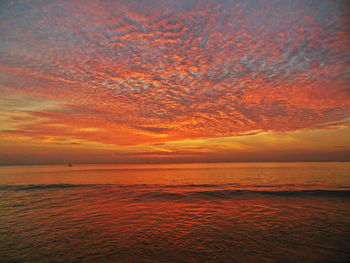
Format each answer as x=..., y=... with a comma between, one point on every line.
x=242, y=212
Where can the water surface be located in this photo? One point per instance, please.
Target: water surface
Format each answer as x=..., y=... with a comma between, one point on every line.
x=228, y=212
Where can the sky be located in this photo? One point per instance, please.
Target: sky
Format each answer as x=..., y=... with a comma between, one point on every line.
x=88, y=81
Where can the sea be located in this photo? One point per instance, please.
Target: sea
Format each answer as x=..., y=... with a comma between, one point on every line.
x=203, y=212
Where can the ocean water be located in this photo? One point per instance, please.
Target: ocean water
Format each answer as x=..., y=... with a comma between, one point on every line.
x=227, y=212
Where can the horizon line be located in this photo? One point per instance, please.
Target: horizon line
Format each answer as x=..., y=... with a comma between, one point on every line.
x=142, y=163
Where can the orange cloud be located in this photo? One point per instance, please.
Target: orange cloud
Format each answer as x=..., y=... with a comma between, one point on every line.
x=128, y=73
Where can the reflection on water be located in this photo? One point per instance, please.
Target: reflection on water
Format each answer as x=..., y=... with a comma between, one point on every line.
x=292, y=175
x=274, y=212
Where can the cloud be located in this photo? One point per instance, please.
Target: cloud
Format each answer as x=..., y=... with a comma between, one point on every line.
x=187, y=69
x=152, y=129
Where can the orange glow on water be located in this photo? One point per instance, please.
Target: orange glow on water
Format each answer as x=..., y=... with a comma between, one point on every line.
x=245, y=212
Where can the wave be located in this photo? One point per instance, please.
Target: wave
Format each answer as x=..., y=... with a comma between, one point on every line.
x=228, y=194
x=204, y=191
x=40, y=186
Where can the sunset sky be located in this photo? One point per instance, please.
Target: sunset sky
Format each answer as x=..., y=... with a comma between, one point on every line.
x=88, y=81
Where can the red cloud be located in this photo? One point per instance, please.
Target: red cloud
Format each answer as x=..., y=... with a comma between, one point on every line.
x=149, y=73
